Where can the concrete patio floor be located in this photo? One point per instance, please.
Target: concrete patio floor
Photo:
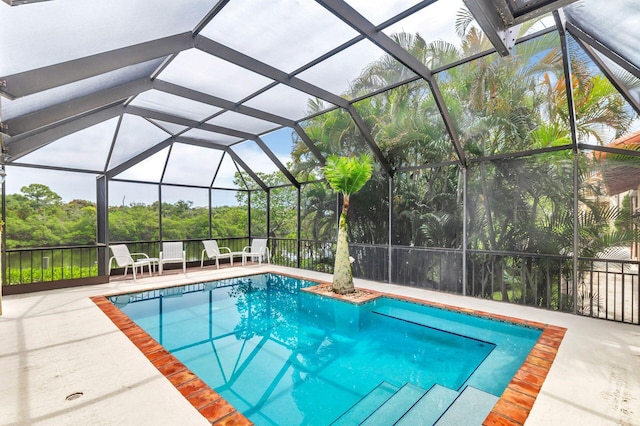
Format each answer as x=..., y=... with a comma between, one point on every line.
x=57, y=343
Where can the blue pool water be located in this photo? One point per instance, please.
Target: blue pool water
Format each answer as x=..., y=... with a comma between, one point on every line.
x=286, y=357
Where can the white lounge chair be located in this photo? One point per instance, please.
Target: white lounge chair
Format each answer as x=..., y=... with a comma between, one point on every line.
x=124, y=259
x=173, y=252
x=257, y=250
x=212, y=250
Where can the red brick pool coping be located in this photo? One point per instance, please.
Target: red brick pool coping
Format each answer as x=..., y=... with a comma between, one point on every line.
x=204, y=399
x=512, y=408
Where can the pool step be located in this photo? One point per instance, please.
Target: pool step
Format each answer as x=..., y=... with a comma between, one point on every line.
x=470, y=408
x=430, y=407
x=367, y=405
x=396, y=406
x=411, y=405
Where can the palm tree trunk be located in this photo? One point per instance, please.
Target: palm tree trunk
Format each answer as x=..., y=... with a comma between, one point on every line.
x=342, y=274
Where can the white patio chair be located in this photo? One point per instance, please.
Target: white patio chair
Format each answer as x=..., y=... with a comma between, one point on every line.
x=212, y=250
x=173, y=252
x=257, y=250
x=124, y=259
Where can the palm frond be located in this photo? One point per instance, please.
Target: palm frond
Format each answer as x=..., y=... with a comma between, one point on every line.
x=464, y=19
x=348, y=175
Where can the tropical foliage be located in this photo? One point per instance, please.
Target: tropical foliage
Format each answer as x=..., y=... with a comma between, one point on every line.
x=499, y=106
x=37, y=217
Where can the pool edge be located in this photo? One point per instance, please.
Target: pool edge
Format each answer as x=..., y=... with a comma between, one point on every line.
x=513, y=406
x=215, y=409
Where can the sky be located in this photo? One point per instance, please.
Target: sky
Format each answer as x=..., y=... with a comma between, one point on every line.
x=93, y=27
x=182, y=169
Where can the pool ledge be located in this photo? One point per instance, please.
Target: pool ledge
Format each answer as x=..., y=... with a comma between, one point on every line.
x=512, y=408
x=361, y=296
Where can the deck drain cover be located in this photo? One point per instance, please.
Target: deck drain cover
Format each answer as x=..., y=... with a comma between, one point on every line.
x=74, y=395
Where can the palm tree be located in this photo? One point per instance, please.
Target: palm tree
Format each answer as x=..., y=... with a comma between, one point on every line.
x=346, y=175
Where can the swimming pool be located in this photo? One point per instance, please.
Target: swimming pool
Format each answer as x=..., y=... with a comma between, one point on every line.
x=283, y=356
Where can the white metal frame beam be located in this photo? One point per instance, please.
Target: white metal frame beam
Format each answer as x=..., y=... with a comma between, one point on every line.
x=34, y=81
x=43, y=118
x=495, y=24
x=22, y=145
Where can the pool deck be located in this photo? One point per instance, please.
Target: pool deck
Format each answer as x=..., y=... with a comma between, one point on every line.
x=57, y=343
